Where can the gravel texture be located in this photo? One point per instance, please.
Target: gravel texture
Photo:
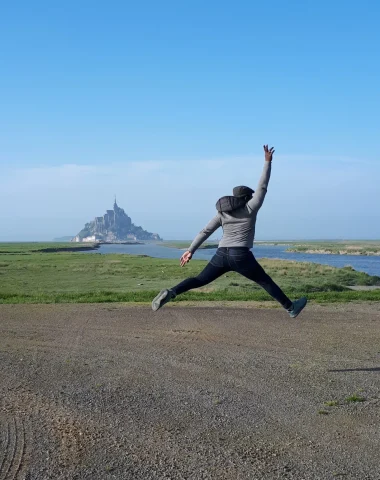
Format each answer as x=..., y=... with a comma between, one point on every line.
x=204, y=392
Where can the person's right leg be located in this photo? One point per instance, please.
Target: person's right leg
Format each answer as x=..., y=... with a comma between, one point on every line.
x=213, y=270
x=248, y=266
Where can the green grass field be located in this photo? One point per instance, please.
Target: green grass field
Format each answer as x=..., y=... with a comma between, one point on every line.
x=30, y=275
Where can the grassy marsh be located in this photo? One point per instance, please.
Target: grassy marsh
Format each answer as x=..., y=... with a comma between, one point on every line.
x=28, y=274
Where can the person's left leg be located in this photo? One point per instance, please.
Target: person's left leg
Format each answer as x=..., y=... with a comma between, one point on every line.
x=207, y=275
x=217, y=266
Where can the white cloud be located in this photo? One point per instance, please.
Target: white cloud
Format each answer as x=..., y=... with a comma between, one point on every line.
x=308, y=196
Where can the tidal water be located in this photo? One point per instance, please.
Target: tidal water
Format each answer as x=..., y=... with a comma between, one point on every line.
x=368, y=264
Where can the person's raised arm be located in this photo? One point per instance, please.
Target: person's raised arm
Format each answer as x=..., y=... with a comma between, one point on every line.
x=203, y=235
x=258, y=197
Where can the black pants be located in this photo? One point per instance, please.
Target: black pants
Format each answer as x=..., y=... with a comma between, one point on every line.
x=236, y=259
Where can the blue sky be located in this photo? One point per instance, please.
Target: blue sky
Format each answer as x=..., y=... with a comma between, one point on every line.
x=175, y=100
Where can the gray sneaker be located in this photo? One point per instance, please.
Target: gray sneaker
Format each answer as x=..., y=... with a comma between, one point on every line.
x=298, y=306
x=163, y=297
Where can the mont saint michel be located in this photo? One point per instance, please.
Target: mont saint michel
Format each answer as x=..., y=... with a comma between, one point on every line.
x=114, y=226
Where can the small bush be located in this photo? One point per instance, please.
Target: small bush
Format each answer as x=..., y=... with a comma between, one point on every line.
x=355, y=398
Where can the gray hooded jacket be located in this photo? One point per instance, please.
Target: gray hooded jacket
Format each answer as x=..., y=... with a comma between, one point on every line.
x=238, y=225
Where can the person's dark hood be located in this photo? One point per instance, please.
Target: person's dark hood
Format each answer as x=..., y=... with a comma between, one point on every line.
x=240, y=197
x=229, y=203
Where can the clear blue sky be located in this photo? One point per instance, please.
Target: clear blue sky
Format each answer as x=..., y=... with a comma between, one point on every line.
x=100, y=98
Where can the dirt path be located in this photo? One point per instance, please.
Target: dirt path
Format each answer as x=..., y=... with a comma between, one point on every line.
x=118, y=392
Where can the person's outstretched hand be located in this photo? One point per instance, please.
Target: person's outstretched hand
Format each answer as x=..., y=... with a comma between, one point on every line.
x=186, y=257
x=268, y=153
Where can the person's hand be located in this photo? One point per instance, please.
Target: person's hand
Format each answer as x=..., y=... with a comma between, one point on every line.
x=268, y=153
x=186, y=257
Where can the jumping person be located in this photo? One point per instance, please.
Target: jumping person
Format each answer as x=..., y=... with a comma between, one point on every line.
x=237, y=216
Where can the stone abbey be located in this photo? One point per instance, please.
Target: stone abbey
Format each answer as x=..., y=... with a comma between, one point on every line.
x=114, y=226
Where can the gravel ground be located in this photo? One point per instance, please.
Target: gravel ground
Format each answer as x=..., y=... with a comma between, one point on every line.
x=118, y=392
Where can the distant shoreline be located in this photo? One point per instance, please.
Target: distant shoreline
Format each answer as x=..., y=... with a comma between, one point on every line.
x=121, y=243
x=353, y=248
x=314, y=248
x=83, y=248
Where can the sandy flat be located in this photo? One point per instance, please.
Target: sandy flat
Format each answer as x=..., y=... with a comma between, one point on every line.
x=118, y=392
